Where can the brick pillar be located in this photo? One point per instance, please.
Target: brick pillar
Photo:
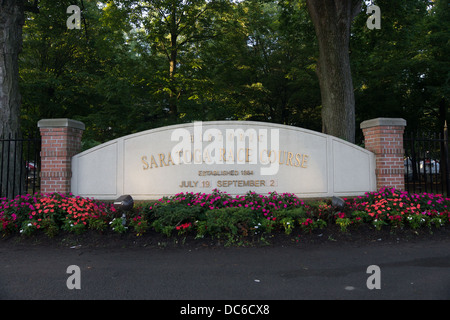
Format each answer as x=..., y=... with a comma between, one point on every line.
x=61, y=139
x=384, y=137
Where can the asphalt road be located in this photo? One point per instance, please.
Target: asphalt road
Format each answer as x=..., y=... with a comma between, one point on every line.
x=417, y=270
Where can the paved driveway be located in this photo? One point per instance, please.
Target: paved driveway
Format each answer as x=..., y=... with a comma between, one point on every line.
x=418, y=270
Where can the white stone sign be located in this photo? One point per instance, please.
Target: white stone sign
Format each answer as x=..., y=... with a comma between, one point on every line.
x=232, y=156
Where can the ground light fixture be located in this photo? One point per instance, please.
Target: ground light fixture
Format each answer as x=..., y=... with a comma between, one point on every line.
x=123, y=204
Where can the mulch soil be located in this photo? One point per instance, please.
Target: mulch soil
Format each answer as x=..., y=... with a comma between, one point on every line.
x=362, y=235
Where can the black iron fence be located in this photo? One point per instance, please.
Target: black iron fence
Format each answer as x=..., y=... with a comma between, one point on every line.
x=427, y=163
x=19, y=165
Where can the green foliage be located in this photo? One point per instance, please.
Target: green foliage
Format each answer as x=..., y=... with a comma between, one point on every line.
x=72, y=226
x=229, y=61
x=229, y=222
x=379, y=223
x=167, y=217
x=139, y=224
x=308, y=224
x=234, y=220
x=343, y=223
x=137, y=65
x=402, y=70
x=117, y=225
x=95, y=223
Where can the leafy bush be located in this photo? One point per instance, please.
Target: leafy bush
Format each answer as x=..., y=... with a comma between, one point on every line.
x=139, y=224
x=220, y=215
x=230, y=222
x=167, y=216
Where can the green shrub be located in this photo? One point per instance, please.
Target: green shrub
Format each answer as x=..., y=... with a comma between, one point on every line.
x=230, y=222
x=167, y=217
x=139, y=225
x=218, y=214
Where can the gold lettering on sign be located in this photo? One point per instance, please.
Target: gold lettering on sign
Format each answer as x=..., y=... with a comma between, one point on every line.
x=264, y=151
x=188, y=184
x=222, y=155
x=161, y=159
x=279, y=156
x=206, y=157
x=298, y=159
x=305, y=159
x=144, y=161
x=185, y=158
x=274, y=156
x=197, y=160
x=241, y=183
x=169, y=159
x=289, y=159
x=230, y=156
x=153, y=162
x=238, y=157
x=247, y=155
x=241, y=155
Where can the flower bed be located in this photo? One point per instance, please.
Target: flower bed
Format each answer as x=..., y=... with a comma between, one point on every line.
x=51, y=213
x=220, y=215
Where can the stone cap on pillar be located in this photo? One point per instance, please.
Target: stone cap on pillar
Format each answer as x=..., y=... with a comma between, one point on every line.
x=61, y=123
x=377, y=122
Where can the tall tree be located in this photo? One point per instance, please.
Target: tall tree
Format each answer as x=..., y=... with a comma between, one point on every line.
x=262, y=68
x=402, y=69
x=437, y=56
x=11, y=22
x=332, y=21
x=172, y=28
x=91, y=74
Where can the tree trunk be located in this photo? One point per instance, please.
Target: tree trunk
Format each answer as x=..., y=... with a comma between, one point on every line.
x=332, y=20
x=11, y=22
